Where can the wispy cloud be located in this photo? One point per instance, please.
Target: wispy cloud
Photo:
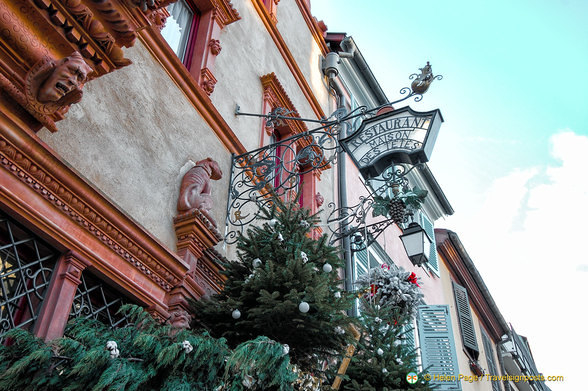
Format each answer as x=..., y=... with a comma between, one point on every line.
x=528, y=239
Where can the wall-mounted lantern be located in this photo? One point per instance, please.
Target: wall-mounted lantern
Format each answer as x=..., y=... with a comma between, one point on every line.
x=417, y=244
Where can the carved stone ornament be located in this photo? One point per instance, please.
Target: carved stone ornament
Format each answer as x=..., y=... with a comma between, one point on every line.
x=208, y=81
x=319, y=199
x=215, y=47
x=195, y=190
x=51, y=87
x=180, y=319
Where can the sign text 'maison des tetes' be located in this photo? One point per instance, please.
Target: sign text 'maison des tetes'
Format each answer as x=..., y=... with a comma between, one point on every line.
x=400, y=136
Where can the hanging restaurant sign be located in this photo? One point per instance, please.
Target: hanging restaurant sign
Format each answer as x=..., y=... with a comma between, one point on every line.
x=399, y=136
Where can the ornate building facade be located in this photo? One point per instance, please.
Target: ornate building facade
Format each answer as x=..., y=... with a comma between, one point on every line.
x=117, y=134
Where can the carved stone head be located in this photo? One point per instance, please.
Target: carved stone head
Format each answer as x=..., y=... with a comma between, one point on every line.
x=69, y=74
x=52, y=86
x=180, y=319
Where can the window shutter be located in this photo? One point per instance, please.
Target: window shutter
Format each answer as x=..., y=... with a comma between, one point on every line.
x=468, y=333
x=409, y=341
x=361, y=263
x=490, y=359
x=437, y=345
x=430, y=230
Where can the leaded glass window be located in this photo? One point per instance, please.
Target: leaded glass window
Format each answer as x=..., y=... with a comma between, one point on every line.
x=26, y=266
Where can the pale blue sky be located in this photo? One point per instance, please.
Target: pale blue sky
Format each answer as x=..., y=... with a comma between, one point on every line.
x=512, y=154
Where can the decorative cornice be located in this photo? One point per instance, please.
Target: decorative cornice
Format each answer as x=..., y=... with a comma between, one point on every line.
x=276, y=95
x=288, y=57
x=89, y=210
x=78, y=24
x=224, y=12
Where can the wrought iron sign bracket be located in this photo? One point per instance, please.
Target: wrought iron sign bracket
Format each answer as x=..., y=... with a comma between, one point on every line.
x=278, y=168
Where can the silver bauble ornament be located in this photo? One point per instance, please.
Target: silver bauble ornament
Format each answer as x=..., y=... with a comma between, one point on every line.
x=327, y=268
x=257, y=262
x=236, y=314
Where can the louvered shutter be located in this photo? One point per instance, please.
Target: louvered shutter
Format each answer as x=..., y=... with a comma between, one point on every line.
x=361, y=263
x=430, y=230
x=408, y=336
x=466, y=324
x=437, y=345
x=490, y=359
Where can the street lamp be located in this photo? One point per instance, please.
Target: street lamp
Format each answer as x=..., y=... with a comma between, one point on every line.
x=417, y=244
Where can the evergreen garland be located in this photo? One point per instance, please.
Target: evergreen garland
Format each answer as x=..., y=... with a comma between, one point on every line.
x=148, y=357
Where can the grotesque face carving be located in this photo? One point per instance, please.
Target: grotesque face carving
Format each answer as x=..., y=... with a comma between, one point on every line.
x=68, y=75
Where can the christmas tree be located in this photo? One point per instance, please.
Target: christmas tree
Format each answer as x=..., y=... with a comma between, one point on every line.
x=284, y=286
x=146, y=356
x=384, y=357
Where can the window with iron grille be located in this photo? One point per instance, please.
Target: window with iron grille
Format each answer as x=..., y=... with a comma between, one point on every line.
x=96, y=300
x=26, y=266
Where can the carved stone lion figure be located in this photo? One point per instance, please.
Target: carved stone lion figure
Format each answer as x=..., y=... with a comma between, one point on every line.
x=195, y=191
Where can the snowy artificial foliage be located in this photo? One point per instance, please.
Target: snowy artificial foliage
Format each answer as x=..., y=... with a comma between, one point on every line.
x=391, y=287
x=112, y=347
x=187, y=346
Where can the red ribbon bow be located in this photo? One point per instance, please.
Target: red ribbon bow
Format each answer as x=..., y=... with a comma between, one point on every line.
x=413, y=278
x=374, y=289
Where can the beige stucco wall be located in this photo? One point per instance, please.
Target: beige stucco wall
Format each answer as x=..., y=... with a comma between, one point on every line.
x=130, y=136
x=249, y=52
x=134, y=129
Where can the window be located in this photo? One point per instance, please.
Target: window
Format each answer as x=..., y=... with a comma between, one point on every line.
x=466, y=324
x=180, y=28
x=289, y=168
x=437, y=345
x=96, y=300
x=26, y=266
x=368, y=258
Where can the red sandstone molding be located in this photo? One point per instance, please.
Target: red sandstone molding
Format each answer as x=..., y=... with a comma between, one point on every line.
x=313, y=26
x=27, y=159
x=288, y=57
x=158, y=47
x=275, y=95
x=60, y=294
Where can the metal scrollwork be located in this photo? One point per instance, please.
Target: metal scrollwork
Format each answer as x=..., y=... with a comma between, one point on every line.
x=278, y=168
x=358, y=221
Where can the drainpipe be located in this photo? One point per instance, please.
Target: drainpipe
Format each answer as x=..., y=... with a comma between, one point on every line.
x=331, y=69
